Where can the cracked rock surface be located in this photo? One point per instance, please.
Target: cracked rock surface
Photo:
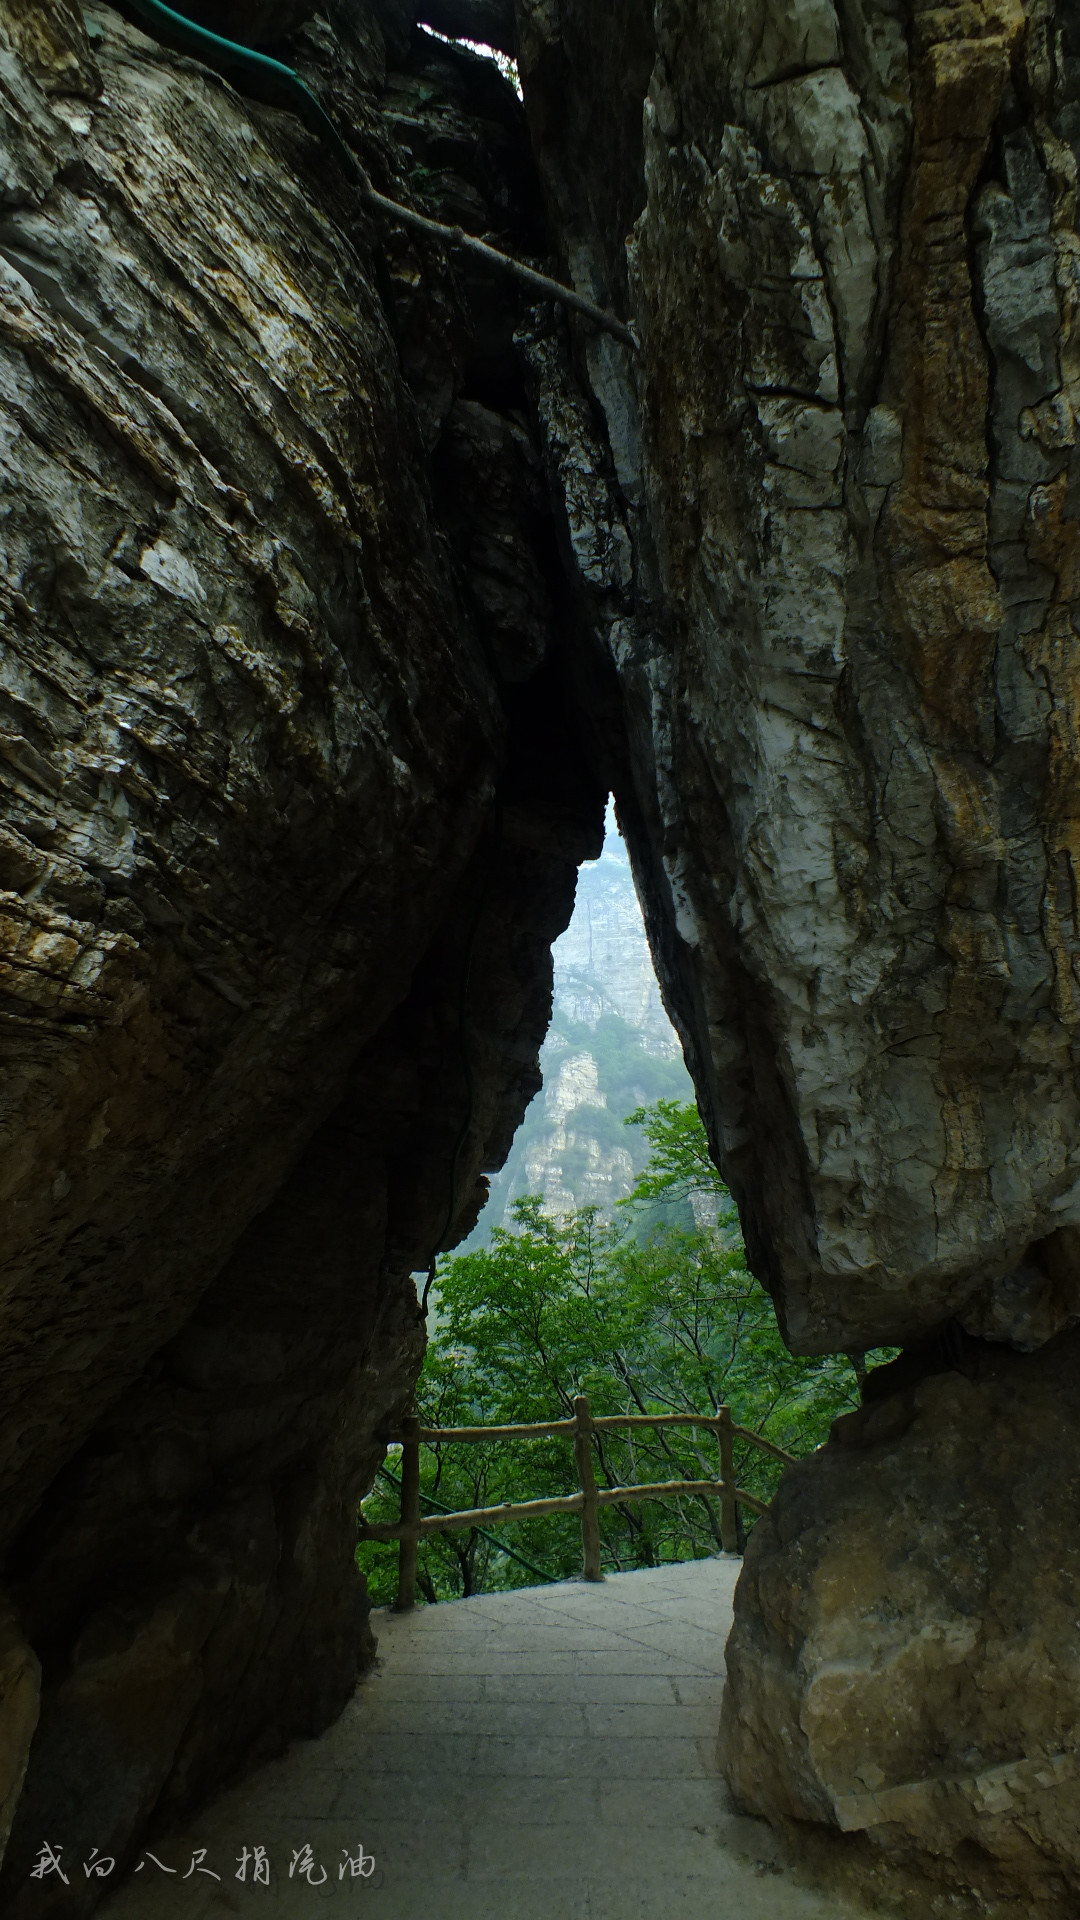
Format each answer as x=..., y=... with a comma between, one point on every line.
x=825, y=546
x=843, y=461
x=902, y=1669
x=292, y=805
x=338, y=586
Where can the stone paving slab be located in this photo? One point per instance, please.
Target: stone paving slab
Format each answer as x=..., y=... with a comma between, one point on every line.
x=542, y=1755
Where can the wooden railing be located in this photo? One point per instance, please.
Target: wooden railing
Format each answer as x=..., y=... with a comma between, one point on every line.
x=413, y=1527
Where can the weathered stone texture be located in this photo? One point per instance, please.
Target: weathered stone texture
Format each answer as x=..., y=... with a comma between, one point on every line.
x=336, y=590
x=854, y=275
x=904, y=1666
x=292, y=807
x=234, y=662
x=825, y=555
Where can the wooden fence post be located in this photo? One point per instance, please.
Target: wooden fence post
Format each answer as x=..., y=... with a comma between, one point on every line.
x=729, y=1512
x=410, y=1514
x=590, y=1512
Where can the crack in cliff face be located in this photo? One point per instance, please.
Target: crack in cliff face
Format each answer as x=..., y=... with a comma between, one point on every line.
x=804, y=410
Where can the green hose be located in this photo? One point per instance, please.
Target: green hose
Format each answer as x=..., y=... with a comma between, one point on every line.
x=268, y=80
x=281, y=86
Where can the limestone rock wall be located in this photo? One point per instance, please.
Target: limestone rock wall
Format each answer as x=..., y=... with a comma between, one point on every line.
x=902, y=1673
x=337, y=589
x=822, y=530
x=292, y=802
x=849, y=674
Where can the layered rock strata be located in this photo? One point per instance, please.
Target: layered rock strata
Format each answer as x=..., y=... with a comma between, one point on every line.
x=337, y=589
x=840, y=467
x=824, y=543
x=292, y=807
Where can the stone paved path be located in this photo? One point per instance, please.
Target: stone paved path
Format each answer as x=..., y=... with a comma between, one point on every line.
x=543, y=1755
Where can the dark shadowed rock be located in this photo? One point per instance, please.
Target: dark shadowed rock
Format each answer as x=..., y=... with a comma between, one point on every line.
x=292, y=809
x=255, y=23
x=823, y=543
x=337, y=589
x=20, y=1699
x=845, y=499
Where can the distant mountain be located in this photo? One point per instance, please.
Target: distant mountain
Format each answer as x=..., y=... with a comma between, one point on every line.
x=610, y=1048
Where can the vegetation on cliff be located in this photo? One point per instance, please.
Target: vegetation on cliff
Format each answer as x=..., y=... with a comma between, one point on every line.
x=665, y=1319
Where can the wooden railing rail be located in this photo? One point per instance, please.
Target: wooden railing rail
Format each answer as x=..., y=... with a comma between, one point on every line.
x=411, y=1528
x=765, y=1446
x=602, y=1423
x=429, y=1435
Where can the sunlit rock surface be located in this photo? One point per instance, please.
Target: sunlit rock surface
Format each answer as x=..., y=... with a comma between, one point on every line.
x=845, y=654
x=825, y=548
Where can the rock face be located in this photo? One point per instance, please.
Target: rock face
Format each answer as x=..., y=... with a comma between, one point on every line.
x=824, y=547
x=20, y=1701
x=291, y=814
x=846, y=672
x=903, y=1669
x=228, y=624
x=609, y=1049
x=338, y=588
x=574, y=1161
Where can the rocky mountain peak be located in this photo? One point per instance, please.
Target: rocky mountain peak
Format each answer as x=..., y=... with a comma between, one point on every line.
x=610, y=1048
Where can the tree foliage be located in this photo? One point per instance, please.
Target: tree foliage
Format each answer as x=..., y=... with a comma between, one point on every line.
x=653, y=1319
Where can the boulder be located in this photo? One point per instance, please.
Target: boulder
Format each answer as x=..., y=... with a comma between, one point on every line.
x=904, y=1667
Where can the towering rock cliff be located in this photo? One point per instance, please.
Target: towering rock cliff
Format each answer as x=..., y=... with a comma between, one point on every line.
x=292, y=808
x=840, y=601
x=339, y=586
x=846, y=660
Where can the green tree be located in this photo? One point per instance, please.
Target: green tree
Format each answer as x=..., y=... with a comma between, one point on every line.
x=666, y=1319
